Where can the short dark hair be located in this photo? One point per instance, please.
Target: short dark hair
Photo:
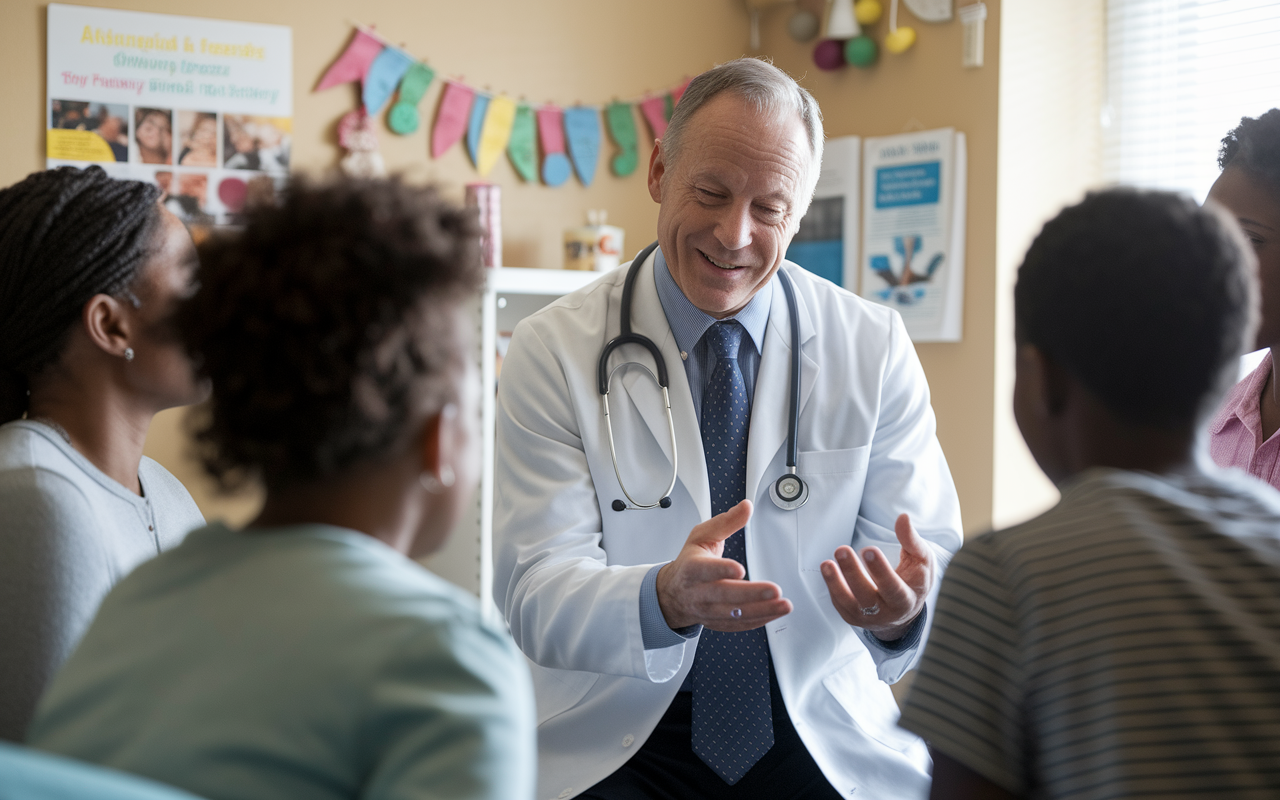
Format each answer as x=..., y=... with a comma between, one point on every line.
x=325, y=327
x=1144, y=297
x=1254, y=146
x=66, y=235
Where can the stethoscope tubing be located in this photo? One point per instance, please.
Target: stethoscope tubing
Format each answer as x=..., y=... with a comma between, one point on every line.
x=626, y=336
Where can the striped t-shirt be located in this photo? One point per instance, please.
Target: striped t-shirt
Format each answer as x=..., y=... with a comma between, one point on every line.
x=1124, y=644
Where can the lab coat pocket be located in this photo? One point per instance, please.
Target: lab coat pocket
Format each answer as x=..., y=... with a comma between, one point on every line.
x=558, y=690
x=869, y=702
x=835, y=478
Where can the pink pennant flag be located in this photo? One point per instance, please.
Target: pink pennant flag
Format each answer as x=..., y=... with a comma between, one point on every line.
x=654, y=110
x=678, y=92
x=555, y=164
x=353, y=63
x=451, y=117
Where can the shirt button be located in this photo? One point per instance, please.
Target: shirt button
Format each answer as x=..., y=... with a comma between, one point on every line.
x=151, y=527
x=628, y=740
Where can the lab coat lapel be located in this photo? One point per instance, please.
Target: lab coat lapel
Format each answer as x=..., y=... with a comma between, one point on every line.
x=770, y=407
x=648, y=319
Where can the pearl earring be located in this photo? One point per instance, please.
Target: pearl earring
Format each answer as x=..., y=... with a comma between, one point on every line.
x=430, y=483
x=128, y=354
x=447, y=477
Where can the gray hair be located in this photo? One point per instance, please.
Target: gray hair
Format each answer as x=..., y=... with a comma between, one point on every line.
x=762, y=85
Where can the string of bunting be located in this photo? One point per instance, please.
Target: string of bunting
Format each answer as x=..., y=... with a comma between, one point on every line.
x=570, y=138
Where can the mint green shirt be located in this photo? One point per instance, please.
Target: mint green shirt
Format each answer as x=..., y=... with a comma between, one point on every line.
x=310, y=663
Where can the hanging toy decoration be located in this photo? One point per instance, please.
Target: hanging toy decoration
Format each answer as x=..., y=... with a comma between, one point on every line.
x=867, y=12
x=357, y=137
x=803, y=25
x=354, y=61
x=654, y=111
x=829, y=54
x=404, y=118
x=899, y=40
x=861, y=51
x=841, y=22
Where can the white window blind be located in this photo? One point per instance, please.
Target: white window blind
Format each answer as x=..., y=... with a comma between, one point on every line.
x=1180, y=75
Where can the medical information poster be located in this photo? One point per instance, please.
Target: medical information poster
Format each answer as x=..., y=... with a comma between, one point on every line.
x=203, y=108
x=913, y=228
x=827, y=241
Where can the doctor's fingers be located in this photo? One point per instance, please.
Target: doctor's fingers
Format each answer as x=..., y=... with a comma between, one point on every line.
x=851, y=574
x=897, y=595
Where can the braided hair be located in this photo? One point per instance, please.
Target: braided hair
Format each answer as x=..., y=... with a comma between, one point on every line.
x=1254, y=146
x=65, y=235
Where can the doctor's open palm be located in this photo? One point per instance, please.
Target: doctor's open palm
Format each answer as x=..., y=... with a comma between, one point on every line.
x=872, y=595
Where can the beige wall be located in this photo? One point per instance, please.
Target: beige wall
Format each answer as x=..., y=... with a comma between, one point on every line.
x=921, y=89
x=1052, y=55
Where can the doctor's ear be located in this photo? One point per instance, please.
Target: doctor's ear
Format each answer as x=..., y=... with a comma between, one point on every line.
x=657, y=168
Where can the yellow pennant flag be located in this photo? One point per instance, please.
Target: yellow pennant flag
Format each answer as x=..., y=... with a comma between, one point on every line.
x=496, y=133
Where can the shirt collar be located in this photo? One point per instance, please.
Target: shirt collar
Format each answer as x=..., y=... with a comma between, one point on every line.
x=1243, y=401
x=689, y=323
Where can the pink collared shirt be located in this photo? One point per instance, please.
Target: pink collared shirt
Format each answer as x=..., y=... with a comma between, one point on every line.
x=1235, y=435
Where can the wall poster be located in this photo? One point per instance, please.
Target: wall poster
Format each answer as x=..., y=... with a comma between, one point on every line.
x=827, y=241
x=203, y=108
x=913, y=229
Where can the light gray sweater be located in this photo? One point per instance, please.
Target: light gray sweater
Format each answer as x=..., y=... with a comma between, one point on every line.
x=68, y=533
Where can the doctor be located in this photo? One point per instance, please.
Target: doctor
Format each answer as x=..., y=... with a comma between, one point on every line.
x=690, y=637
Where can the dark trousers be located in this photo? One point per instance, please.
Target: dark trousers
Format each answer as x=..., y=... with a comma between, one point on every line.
x=666, y=768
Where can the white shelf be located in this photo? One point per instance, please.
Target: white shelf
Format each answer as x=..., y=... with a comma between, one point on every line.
x=554, y=282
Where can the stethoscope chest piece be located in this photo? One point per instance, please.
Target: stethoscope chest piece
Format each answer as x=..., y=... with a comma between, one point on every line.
x=789, y=492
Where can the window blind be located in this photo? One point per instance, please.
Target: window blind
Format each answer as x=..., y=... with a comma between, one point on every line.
x=1180, y=75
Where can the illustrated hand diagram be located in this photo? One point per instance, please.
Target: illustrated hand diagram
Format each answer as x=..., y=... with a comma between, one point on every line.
x=907, y=247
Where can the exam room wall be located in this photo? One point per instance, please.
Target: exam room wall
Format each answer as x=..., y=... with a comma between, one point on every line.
x=565, y=51
x=921, y=89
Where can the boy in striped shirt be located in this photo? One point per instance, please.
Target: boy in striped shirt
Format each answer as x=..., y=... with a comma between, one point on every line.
x=1126, y=643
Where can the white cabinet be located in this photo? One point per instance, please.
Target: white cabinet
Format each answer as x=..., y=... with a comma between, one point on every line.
x=511, y=294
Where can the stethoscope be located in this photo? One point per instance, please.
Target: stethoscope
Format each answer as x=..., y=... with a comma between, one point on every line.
x=789, y=491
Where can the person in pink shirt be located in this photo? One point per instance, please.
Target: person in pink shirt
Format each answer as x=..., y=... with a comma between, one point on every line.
x=1243, y=433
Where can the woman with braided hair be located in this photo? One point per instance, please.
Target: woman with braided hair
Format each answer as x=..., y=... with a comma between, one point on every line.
x=91, y=272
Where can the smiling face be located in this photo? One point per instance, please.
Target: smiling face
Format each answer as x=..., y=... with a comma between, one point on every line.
x=1257, y=209
x=152, y=131
x=731, y=202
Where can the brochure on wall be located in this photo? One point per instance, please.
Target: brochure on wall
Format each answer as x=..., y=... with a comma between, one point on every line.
x=201, y=107
x=913, y=230
x=827, y=242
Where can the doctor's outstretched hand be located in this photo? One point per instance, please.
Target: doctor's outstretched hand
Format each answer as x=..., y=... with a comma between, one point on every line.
x=872, y=595
x=701, y=587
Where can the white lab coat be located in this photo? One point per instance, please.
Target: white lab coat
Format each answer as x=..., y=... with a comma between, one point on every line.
x=568, y=568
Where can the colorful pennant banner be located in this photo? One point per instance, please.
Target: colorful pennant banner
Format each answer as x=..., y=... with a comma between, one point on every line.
x=570, y=139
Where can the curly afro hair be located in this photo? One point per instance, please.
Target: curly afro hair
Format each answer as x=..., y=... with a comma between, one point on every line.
x=1144, y=297
x=1254, y=146
x=328, y=327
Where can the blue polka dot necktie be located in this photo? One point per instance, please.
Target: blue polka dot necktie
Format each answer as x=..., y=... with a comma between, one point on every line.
x=732, y=716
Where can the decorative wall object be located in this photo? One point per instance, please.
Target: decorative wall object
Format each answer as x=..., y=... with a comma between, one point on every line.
x=492, y=123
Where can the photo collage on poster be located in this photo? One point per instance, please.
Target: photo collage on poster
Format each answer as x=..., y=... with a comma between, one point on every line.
x=201, y=108
x=209, y=164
